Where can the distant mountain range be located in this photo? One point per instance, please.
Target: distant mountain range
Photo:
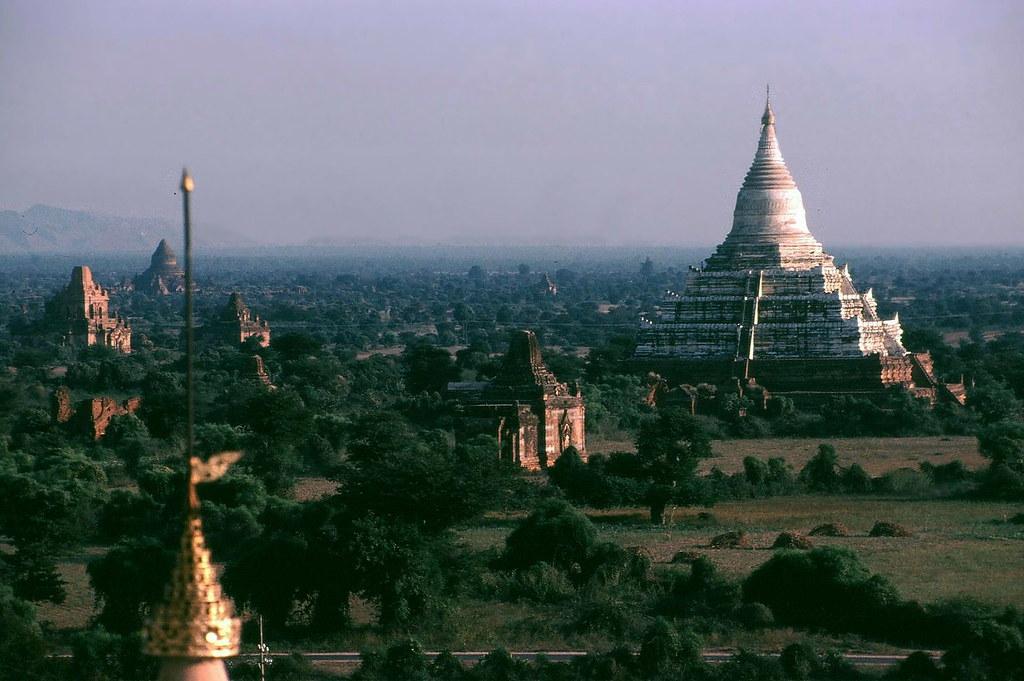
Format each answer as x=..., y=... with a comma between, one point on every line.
x=46, y=229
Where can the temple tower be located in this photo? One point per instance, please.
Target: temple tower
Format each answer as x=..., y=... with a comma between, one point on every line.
x=770, y=305
x=534, y=417
x=237, y=323
x=163, y=276
x=81, y=312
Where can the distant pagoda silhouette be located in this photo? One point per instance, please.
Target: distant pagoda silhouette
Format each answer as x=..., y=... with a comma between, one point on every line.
x=163, y=276
x=771, y=306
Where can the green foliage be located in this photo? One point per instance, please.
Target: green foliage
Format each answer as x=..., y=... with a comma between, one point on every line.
x=820, y=474
x=272, y=575
x=702, y=593
x=903, y=482
x=855, y=480
x=540, y=583
x=402, y=661
x=666, y=652
x=428, y=369
x=128, y=580
x=295, y=345
x=669, y=448
x=398, y=568
x=22, y=645
x=745, y=666
x=827, y=588
x=421, y=479
x=555, y=533
x=98, y=655
x=994, y=402
x=1003, y=443
x=918, y=666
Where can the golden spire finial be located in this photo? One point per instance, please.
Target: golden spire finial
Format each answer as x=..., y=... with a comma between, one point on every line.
x=196, y=623
x=196, y=620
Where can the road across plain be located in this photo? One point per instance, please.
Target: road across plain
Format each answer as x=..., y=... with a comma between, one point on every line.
x=867, y=660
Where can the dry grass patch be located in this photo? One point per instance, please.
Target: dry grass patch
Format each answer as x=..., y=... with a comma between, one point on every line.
x=958, y=548
x=313, y=488
x=79, y=606
x=877, y=455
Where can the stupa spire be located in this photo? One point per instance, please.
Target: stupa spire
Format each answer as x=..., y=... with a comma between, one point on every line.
x=195, y=627
x=769, y=226
x=768, y=171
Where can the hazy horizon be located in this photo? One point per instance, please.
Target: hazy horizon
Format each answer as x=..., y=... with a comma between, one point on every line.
x=484, y=123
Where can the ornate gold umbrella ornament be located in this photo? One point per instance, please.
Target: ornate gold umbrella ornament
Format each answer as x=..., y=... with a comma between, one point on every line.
x=195, y=627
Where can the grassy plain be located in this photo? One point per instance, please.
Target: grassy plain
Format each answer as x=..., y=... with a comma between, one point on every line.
x=958, y=548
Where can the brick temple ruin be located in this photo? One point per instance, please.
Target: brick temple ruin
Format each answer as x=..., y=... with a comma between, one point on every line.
x=93, y=414
x=237, y=324
x=164, y=275
x=533, y=416
x=81, y=313
x=771, y=308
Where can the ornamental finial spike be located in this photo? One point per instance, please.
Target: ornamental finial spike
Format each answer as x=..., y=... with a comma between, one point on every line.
x=768, y=118
x=196, y=620
x=195, y=626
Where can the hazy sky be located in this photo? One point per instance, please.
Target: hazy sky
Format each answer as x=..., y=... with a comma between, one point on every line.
x=518, y=122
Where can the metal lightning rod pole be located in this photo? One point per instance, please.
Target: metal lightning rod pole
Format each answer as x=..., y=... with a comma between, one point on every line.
x=187, y=185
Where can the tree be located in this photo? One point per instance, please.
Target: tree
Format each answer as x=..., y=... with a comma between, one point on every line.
x=128, y=580
x=669, y=448
x=295, y=345
x=820, y=474
x=555, y=533
x=271, y=575
x=665, y=652
x=702, y=593
x=428, y=368
x=1003, y=444
x=994, y=402
x=418, y=478
x=827, y=587
x=22, y=645
x=98, y=655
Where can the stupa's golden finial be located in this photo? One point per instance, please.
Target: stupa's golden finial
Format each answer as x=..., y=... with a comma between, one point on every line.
x=195, y=626
x=196, y=620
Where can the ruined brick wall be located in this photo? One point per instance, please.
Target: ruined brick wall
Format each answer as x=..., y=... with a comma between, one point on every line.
x=102, y=411
x=564, y=427
x=92, y=416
